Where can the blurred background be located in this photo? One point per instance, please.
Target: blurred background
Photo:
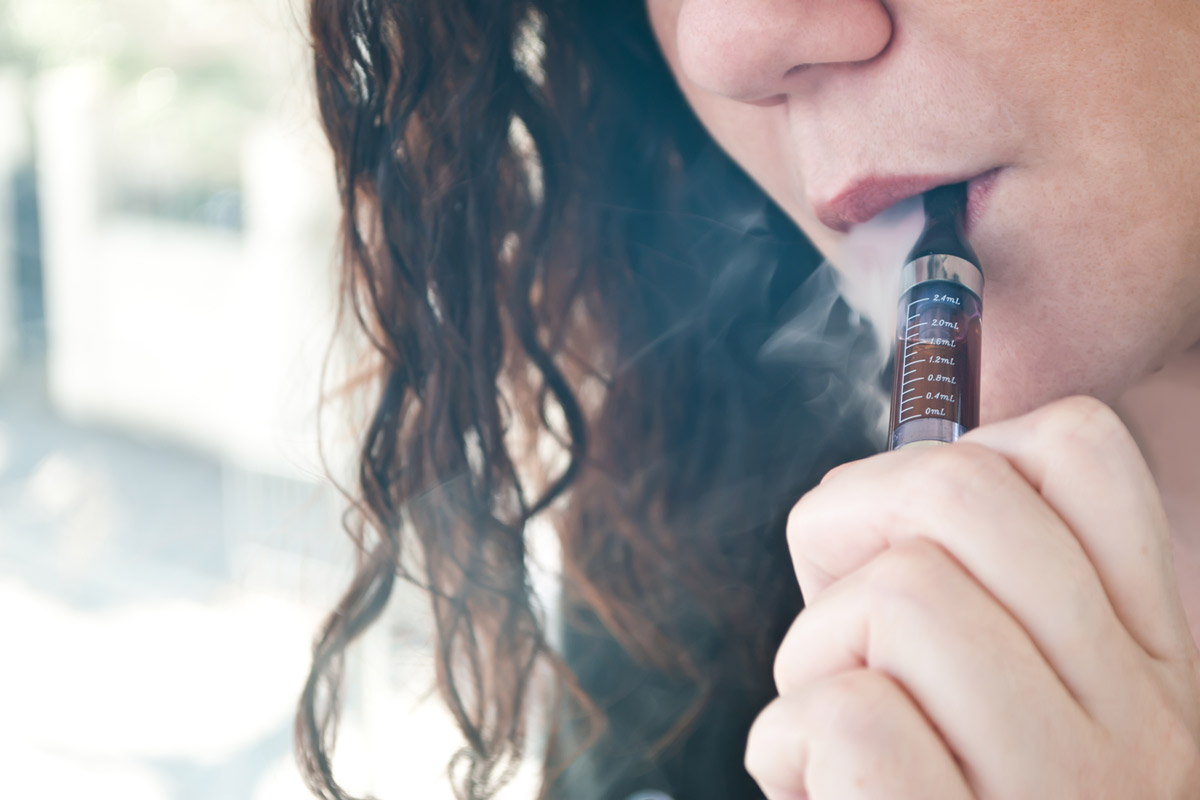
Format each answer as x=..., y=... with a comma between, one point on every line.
x=168, y=539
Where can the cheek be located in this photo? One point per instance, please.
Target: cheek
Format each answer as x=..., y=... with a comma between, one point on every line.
x=758, y=139
x=1079, y=301
x=755, y=137
x=751, y=135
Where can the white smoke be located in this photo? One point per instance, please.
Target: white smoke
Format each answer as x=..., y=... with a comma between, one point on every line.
x=868, y=280
x=874, y=253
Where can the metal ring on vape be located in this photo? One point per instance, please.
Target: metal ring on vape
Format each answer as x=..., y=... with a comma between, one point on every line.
x=941, y=267
x=926, y=431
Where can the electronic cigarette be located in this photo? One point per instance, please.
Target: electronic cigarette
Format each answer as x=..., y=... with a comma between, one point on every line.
x=935, y=392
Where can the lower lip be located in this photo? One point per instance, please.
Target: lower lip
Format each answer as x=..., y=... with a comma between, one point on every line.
x=978, y=191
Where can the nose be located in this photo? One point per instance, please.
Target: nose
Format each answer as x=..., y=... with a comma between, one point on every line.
x=752, y=50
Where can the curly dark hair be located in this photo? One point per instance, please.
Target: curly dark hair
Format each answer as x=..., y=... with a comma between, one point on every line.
x=545, y=247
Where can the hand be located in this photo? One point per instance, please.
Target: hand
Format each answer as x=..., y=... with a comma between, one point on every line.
x=994, y=619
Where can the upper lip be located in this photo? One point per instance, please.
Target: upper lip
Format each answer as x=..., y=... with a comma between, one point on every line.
x=866, y=197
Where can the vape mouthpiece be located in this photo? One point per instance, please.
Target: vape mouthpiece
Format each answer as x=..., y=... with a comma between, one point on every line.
x=935, y=393
x=945, y=228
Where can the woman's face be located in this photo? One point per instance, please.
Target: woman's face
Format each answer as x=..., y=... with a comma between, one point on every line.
x=1089, y=113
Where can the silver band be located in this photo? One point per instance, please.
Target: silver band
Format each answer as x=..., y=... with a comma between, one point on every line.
x=926, y=431
x=942, y=268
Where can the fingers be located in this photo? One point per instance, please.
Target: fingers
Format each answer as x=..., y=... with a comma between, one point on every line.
x=914, y=614
x=998, y=618
x=852, y=736
x=1079, y=456
x=972, y=502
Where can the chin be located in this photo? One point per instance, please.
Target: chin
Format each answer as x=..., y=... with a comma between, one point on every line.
x=997, y=409
x=1005, y=396
x=1011, y=396
x=1010, y=388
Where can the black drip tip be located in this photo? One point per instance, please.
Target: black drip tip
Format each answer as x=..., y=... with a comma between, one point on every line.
x=945, y=230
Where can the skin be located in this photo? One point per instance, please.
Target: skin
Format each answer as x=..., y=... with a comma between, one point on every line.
x=1031, y=637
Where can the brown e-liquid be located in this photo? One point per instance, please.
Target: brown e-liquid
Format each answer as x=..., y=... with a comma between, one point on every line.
x=935, y=392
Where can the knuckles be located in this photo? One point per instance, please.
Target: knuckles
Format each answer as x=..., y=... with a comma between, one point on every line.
x=1074, y=422
x=953, y=474
x=906, y=588
x=846, y=707
x=909, y=575
x=947, y=478
x=958, y=474
x=912, y=580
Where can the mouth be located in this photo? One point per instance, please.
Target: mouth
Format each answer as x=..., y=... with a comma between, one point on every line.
x=866, y=198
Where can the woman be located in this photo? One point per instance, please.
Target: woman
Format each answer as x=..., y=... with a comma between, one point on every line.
x=584, y=221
